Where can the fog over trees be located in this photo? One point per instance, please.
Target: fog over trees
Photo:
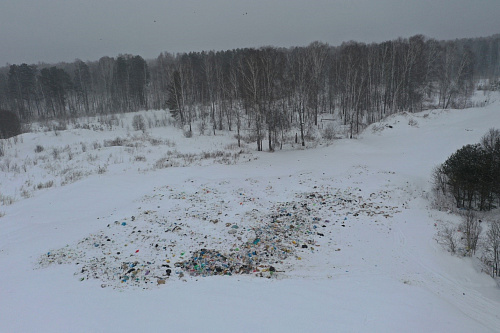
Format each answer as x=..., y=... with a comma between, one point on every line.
x=267, y=89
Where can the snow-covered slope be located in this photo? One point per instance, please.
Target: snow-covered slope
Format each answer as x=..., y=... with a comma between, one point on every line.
x=347, y=228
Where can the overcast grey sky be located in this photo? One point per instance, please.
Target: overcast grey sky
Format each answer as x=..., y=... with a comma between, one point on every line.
x=35, y=31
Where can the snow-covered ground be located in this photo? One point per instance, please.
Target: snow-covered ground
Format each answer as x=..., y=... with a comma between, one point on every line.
x=159, y=232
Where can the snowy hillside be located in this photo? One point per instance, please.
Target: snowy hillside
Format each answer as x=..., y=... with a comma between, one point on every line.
x=107, y=229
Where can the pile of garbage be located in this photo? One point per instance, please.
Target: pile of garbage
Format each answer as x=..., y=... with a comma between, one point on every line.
x=292, y=227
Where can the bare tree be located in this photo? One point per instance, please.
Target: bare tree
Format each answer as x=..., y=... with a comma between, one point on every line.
x=450, y=239
x=471, y=230
x=235, y=100
x=490, y=139
x=209, y=70
x=455, y=74
x=318, y=55
x=251, y=77
x=493, y=247
x=299, y=81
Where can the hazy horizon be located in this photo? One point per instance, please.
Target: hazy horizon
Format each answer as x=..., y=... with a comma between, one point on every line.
x=62, y=31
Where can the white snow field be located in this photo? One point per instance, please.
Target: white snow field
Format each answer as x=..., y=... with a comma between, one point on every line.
x=102, y=237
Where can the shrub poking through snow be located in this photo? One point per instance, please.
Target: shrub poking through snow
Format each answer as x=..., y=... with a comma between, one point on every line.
x=138, y=123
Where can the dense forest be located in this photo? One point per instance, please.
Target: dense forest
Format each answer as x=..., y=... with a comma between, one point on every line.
x=267, y=89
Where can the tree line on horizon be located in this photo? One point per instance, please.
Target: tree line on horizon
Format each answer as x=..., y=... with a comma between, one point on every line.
x=267, y=89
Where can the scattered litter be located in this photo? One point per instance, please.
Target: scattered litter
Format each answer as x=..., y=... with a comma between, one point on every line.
x=264, y=241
